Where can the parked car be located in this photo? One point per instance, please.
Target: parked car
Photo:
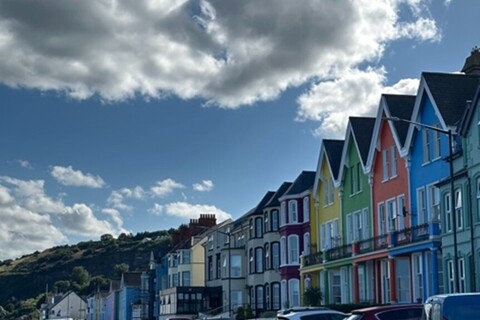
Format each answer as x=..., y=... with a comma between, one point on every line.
x=310, y=313
x=462, y=306
x=388, y=312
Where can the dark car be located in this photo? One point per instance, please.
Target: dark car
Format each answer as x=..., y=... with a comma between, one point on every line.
x=388, y=312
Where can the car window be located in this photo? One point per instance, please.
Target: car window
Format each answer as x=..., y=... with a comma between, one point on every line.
x=336, y=317
x=401, y=314
x=356, y=316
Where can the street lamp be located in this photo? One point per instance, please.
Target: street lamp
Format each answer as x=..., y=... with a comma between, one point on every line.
x=449, y=133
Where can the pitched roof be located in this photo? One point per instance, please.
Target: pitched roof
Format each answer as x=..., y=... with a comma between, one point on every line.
x=333, y=150
x=258, y=209
x=362, y=129
x=274, y=202
x=131, y=279
x=450, y=92
x=302, y=183
x=400, y=106
x=465, y=124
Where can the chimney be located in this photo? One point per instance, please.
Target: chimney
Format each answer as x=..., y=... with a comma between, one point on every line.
x=472, y=63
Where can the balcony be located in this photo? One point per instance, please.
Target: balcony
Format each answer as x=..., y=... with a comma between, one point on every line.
x=313, y=259
x=372, y=244
x=411, y=235
x=339, y=252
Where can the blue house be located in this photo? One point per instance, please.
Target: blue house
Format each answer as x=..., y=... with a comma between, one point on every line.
x=441, y=102
x=129, y=295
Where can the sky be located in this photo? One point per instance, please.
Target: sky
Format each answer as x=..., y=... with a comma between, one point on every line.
x=132, y=116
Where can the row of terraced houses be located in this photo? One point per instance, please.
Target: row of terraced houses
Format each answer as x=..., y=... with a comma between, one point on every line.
x=390, y=215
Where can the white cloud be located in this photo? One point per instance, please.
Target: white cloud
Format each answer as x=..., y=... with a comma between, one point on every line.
x=23, y=230
x=80, y=219
x=188, y=210
x=70, y=177
x=229, y=53
x=205, y=185
x=24, y=164
x=31, y=195
x=117, y=197
x=165, y=187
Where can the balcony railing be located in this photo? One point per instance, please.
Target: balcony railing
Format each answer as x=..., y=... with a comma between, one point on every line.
x=372, y=244
x=313, y=259
x=411, y=235
x=340, y=252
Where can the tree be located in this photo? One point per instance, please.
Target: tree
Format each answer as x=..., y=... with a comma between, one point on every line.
x=312, y=297
x=119, y=269
x=61, y=286
x=80, y=276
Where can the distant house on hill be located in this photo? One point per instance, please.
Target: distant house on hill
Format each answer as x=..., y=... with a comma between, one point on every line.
x=64, y=306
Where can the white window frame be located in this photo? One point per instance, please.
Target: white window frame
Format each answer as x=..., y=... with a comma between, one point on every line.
x=292, y=211
x=283, y=213
x=283, y=251
x=293, y=246
x=385, y=164
x=459, y=208
x=294, y=292
x=422, y=216
x=349, y=221
x=306, y=243
x=400, y=218
x=382, y=219
x=393, y=161
x=259, y=267
x=306, y=209
x=427, y=157
x=391, y=213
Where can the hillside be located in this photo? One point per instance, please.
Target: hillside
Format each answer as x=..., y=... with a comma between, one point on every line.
x=29, y=276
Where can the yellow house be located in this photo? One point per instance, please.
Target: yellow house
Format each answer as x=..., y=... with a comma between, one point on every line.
x=325, y=214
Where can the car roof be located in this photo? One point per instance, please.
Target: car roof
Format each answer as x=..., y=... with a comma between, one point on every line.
x=300, y=309
x=388, y=307
x=309, y=312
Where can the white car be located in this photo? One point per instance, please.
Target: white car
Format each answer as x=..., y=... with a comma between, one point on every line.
x=310, y=313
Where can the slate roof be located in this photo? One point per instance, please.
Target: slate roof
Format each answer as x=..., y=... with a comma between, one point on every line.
x=362, y=128
x=451, y=92
x=274, y=202
x=465, y=124
x=258, y=209
x=131, y=279
x=303, y=182
x=400, y=106
x=333, y=150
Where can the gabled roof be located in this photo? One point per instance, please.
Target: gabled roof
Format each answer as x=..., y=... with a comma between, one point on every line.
x=360, y=129
x=391, y=105
x=465, y=124
x=280, y=192
x=258, y=209
x=301, y=184
x=331, y=150
x=449, y=93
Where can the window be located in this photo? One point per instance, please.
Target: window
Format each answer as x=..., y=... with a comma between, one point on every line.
x=275, y=220
x=210, y=242
x=461, y=271
x=393, y=154
x=283, y=213
x=306, y=209
x=292, y=211
x=266, y=227
x=259, y=259
x=236, y=299
x=293, y=249
x=433, y=202
x=235, y=266
x=175, y=280
x=329, y=234
x=359, y=177
x=251, y=233
x=210, y=268
x=185, y=257
x=251, y=261
x=307, y=283
x=275, y=255
x=268, y=303
x=258, y=227
x=458, y=209
x=426, y=146
x=306, y=243
x=385, y=269
x=357, y=226
x=276, y=296
x=283, y=249
x=418, y=277
x=422, y=206
x=365, y=232
x=451, y=276
x=400, y=218
x=186, y=278
x=294, y=292
x=268, y=264
x=448, y=212
x=436, y=143
x=224, y=266
x=391, y=213
x=382, y=221
x=349, y=229
x=260, y=297
x=385, y=163
x=328, y=191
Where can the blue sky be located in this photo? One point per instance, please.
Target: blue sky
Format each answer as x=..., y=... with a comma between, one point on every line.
x=120, y=116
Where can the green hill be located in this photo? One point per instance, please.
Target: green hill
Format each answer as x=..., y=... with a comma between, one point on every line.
x=28, y=277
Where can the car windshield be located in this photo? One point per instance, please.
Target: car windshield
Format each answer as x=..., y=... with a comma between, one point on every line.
x=354, y=317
